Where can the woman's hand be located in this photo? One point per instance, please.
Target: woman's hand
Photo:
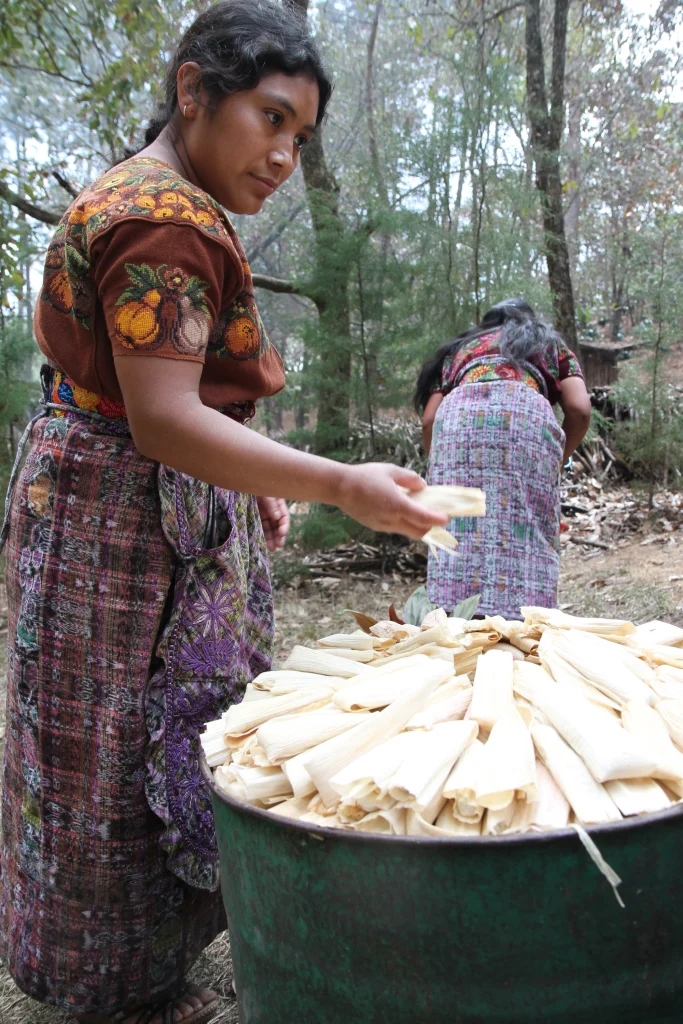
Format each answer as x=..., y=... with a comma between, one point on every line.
x=372, y=494
x=275, y=520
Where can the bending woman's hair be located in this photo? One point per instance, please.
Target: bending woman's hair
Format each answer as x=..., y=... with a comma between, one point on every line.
x=524, y=339
x=236, y=43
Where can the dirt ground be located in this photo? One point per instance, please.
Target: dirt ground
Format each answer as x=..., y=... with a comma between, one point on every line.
x=635, y=581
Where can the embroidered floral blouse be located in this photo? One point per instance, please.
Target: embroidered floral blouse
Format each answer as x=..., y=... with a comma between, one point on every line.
x=143, y=262
x=483, y=353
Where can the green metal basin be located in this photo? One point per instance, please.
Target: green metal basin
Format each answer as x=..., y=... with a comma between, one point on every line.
x=331, y=927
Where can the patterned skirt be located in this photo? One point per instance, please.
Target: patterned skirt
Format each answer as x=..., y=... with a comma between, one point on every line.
x=504, y=438
x=139, y=608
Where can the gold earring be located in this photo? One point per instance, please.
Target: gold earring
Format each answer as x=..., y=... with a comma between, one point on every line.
x=184, y=109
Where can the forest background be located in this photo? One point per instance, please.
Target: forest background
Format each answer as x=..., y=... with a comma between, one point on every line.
x=475, y=149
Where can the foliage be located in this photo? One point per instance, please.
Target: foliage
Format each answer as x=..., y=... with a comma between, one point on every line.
x=18, y=390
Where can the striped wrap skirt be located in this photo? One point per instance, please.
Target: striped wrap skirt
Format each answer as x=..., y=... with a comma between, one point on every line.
x=501, y=436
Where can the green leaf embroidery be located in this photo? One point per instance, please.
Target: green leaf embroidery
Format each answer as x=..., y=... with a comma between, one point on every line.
x=143, y=276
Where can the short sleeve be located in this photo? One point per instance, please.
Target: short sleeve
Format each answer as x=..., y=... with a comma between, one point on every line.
x=568, y=364
x=162, y=286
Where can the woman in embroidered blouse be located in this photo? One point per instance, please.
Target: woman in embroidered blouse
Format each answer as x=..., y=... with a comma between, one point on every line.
x=502, y=435
x=137, y=576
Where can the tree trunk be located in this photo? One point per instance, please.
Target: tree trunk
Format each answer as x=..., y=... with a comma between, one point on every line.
x=546, y=134
x=330, y=294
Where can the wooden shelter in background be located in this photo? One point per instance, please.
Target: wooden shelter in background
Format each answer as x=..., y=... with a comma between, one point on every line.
x=600, y=361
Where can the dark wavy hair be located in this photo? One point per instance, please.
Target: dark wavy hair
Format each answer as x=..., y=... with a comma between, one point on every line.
x=236, y=43
x=525, y=338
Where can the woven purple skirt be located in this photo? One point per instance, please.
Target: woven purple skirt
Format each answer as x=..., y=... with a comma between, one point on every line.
x=130, y=625
x=504, y=438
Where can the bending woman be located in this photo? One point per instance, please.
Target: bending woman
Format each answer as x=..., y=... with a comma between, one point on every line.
x=137, y=575
x=487, y=399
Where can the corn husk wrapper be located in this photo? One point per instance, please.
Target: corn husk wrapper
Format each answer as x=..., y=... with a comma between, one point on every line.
x=649, y=728
x=495, y=823
x=550, y=809
x=285, y=737
x=451, y=500
x=280, y=681
x=363, y=657
x=611, y=669
x=328, y=821
x=508, y=764
x=517, y=654
x=252, y=785
x=461, y=785
x=589, y=800
x=658, y=632
x=389, y=666
x=566, y=675
x=372, y=692
x=492, y=684
x=328, y=759
x=308, y=659
x=253, y=693
x=660, y=654
x=445, y=826
x=454, y=826
x=672, y=713
x=241, y=719
x=637, y=796
x=409, y=769
x=394, y=630
x=556, y=619
x=294, y=808
x=390, y=822
x=609, y=752
x=668, y=683
x=357, y=641
x=452, y=708
x=434, y=618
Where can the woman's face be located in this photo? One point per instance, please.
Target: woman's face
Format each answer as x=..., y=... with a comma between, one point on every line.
x=250, y=144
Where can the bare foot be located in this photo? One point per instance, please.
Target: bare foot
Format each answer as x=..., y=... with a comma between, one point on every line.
x=192, y=999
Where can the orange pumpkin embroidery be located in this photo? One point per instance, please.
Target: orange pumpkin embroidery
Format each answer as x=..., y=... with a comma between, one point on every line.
x=163, y=305
x=243, y=338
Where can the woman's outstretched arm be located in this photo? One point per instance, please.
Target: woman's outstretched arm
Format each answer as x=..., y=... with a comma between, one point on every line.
x=170, y=424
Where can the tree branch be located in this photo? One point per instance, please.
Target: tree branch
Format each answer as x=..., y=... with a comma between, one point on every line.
x=43, y=71
x=273, y=235
x=276, y=284
x=37, y=212
x=66, y=184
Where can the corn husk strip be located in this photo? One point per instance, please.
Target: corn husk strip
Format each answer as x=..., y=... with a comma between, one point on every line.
x=389, y=666
x=279, y=681
x=608, y=751
x=460, y=786
x=394, y=630
x=560, y=620
x=492, y=688
x=508, y=764
x=620, y=649
x=308, y=659
x=328, y=759
x=452, y=500
x=566, y=675
x=372, y=692
x=550, y=809
x=495, y=823
x=637, y=796
x=524, y=643
x=294, y=808
x=658, y=632
x=668, y=683
x=588, y=799
x=439, y=539
x=607, y=670
x=417, y=826
x=215, y=750
x=285, y=737
x=331, y=821
x=599, y=861
x=450, y=709
x=260, y=783
x=672, y=713
x=465, y=662
x=390, y=822
x=651, y=731
x=241, y=719
x=434, y=618
x=357, y=641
